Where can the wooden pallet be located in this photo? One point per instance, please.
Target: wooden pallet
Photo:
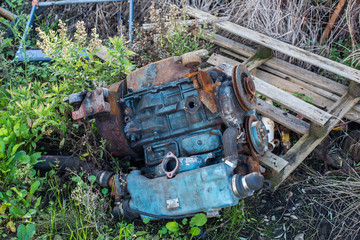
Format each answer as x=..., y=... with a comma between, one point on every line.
x=330, y=100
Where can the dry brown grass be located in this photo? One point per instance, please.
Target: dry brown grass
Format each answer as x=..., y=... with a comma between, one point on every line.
x=331, y=204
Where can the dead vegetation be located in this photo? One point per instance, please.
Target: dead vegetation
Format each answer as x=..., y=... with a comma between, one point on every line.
x=330, y=204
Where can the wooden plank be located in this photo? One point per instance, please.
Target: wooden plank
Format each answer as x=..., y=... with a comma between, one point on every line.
x=291, y=102
x=294, y=89
x=149, y=26
x=273, y=162
x=282, y=47
x=280, y=116
x=102, y=53
x=280, y=65
x=285, y=99
x=292, y=85
x=323, y=86
x=257, y=59
x=296, y=155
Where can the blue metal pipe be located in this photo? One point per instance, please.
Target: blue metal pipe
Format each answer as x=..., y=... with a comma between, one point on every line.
x=26, y=32
x=131, y=19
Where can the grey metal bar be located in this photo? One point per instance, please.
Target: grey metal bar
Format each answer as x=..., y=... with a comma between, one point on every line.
x=59, y=3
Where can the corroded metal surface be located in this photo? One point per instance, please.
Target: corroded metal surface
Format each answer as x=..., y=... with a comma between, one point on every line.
x=93, y=103
x=110, y=127
x=244, y=87
x=188, y=127
x=155, y=74
x=256, y=135
x=205, y=85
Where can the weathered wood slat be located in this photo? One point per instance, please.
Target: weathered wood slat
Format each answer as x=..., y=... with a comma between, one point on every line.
x=293, y=85
x=329, y=88
x=273, y=162
x=287, y=100
x=291, y=102
x=257, y=59
x=298, y=53
x=280, y=65
x=278, y=115
x=149, y=26
x=296, y=155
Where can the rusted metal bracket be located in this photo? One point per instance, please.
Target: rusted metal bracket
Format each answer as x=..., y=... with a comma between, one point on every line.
x=93, y=103
x=205, y=85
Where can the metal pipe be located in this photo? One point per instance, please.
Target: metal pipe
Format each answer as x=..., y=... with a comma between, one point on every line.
x=230, y=142
x=7, y=14
x=131, y=19
x=62, y=163
x=28, y=27
x=59, y=3
x=20, y=51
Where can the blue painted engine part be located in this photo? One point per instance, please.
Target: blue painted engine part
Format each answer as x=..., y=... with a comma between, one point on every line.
x=171, y=118
x=195, y=133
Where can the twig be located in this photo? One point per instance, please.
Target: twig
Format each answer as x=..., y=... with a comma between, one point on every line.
x=333, y=18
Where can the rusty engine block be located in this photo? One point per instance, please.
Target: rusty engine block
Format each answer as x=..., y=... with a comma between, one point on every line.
x=194, y=133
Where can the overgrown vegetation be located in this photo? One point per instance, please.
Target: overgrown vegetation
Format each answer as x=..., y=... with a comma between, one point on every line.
x=34, y=120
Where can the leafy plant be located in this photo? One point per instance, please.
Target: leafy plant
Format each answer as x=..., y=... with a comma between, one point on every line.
x=75, y=60
x=26, y=232
x=169, y=36
x=303, y=97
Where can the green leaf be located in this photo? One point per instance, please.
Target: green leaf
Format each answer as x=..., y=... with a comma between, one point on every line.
x=34, y=187
x=2, y=149
x=29, y=213
x=146, y=220
x=184, y=221
x=24, y=159
x=26, y=232
x=92, y=178
x=30, y=230
x=15, y=211
x=198, y=220
x=163, y=230
x=172, y=227
x=104, y=191
x=194, y=231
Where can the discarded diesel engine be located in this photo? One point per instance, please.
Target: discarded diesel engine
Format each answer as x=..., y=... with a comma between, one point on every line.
x=195, y=132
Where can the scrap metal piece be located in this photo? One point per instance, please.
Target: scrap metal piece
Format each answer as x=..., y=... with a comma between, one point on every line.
x=193, y=59
x=205, y=85
x=164, y=71
x=256, y=135
x=172, y=203
x=244, y=87
x=156, y=74
x=93, y=103
x=110, y=126
x=170, y=165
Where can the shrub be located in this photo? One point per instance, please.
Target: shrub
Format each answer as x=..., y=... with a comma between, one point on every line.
x=75, y=60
